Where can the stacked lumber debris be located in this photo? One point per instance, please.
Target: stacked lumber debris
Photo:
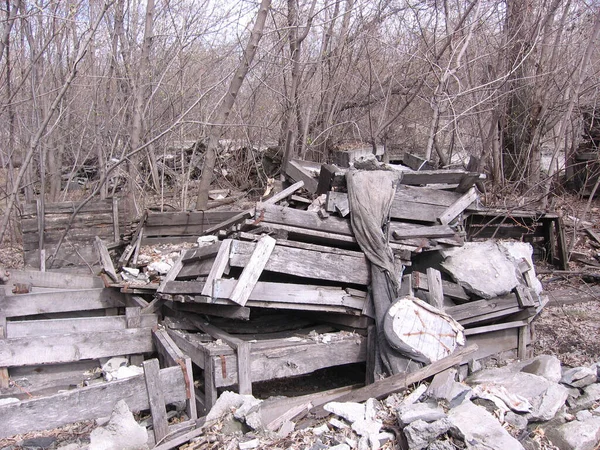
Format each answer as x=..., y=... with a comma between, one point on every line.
x=70, y=349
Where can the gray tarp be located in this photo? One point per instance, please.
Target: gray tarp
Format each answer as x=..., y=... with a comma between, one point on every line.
x=370, y=194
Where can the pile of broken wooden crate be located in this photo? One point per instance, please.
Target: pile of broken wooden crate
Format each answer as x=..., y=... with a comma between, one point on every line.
x=280, y=290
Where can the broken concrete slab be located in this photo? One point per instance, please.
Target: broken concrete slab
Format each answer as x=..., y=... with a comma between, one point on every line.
x=483, y=268
x=576, y=435
x=579, y=377
x=121, y=432
x=420, y=434
x=348, y=410
x=480, y=429
x=428, y=412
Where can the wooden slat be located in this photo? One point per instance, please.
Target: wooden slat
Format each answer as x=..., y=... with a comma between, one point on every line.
x=105, y=259
x=456, y=208
x=452, y=290
x=96, y=206
x=156, y=398
x=74, y=347
x=86, y=403
x=226, y=311
x=302, y=219
x=55, y=279
x=219, y=266
x=296, y=172
x=249, y=276
x=436, y=290
x=60, y=301
x=434, y=177
x=30, y=328
x=206, y=218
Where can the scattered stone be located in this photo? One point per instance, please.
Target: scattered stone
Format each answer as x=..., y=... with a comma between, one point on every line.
x=579, y=377
x=576, y=435
x=348, y=410
x=517, y=421
x=441, y=384
x=254, y=443
x=420, y=434
x=369, y=429
x=479, y=429
x=318, y=431
x=583, y=415
x=228, y=402
x=415, y=395
x=591, y=394
x=441, y=445
x=286, y=429
x=474, y=366
x=427, y=412
x=121, y=433
x=547, y=366
x=38, y=442
x=336, y=423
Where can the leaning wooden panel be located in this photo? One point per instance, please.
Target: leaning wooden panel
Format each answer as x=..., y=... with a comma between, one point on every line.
x=87, y=403
x=74, y=347
x=289, y=359
x=60, y=301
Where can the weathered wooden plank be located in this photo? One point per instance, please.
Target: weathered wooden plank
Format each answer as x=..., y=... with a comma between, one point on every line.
x=29, y=351
x=226, y=311
x=30, y=328
x=171, y=275
x=200, y=253
x=97, y=206
x=407, y=231
x=4, y=376
x=296, y=172
x=60, y=301
x=452, y=290
x=55, y=279
x=316, y=236
x=105, y=259
x=156, y=398
x=436, y=291
x=196, y=269
x=470, y=311
x=205, y=218
x=252, y=271
x=86, y=403
x=401, y=381
x=456, y=208
x=306, y=263
x=247, y=214
x=219, y=266
x=434, y=177
x=302, y=219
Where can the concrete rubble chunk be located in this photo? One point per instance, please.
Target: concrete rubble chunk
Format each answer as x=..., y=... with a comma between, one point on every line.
x=517, y=421
x=576, y=435
x=348, y=410
x=479, y=429
x=579, y=376
x=121, y=433
x=483, y=268
x=420, y=434
x=547, y=366
x=427, y=412
x=229, y=402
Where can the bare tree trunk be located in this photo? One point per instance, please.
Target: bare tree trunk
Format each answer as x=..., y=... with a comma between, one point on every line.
x=42, y=129
x=225, y=106
x=10, y=19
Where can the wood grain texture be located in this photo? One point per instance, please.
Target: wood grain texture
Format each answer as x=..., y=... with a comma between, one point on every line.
x=156, y=399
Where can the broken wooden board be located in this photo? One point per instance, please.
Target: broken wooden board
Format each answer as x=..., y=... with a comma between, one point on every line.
x=217, y=310
x=27, y=351
x=484, y=310
x=458, y=206
x=302, y=219
x=105, y=260
x=58, y=280
x=86, y=403
x=424, y=177
x=451, y=290
x=297, y=171
x=31, y=328
x=60, y=301
x=306, y=263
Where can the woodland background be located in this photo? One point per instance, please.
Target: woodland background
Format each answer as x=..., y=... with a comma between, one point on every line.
x=135, y=97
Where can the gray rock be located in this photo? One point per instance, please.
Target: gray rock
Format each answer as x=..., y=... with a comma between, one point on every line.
x=591, y=394
x=441, y=445
x=121, y=433
x=428, y=412
x=517, y=421
x=38, y=442
x=576, y=435
x=579, y=377
x=545, y=397
x=483, y=268
x=420, y=434
x=479, y=429
x=546, y=366
x=584, y=415
x=443, y=387
x=474, y=366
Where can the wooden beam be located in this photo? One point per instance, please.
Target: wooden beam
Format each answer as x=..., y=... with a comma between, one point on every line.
x=435, y=296
x=249, y=276
x=86, y=403
x=29, y=351
x=171, y=275
x=302, y=219
x=248, y=213
x=115, y=212
x=298, y=173
x=401, y=381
